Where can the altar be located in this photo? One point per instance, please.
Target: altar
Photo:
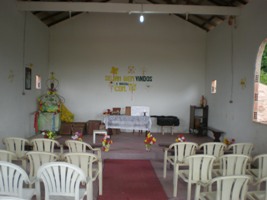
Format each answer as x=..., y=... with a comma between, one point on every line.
x=142, y=123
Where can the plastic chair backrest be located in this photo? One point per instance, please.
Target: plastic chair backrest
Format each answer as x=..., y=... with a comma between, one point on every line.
x=77, y=146
x=16, y=145
x=91, y=164
x=261, y=161
x=61, y=179
x=241, y=148
x=44, y=144
x=231, y=187
x=7, y=155
x=182, y=150
x=233, y=164
x=37, y=159
x=12, y=178
x=261, y=193
x=200, y=167
x=84, y=161
x=213, y=148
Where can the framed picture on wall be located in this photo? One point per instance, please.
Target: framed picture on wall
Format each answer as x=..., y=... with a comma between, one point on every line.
x=28, y=78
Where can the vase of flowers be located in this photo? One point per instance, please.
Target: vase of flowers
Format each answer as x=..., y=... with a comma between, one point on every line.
x=106, y=142
x=77, y=136
x=49, y=134
x=180, y=138
x=149, y=141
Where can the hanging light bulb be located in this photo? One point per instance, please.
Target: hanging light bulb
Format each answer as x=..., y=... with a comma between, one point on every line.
x=141, y=18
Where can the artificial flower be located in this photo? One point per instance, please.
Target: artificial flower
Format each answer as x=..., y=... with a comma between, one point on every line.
x=77, y=136
x=106, y=142
x=180, y=138
x=49, y=134
x=228, y=142
x=150, y=139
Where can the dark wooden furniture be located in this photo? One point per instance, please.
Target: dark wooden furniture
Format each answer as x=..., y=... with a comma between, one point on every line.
x=216, y=133
x=198, y=124
x=69, y=128
x=92, y=125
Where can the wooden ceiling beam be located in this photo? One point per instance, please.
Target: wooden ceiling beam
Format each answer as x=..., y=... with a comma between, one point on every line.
x=127, y=8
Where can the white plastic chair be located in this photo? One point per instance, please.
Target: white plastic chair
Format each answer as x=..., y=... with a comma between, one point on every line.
x=242, y=148
x=12, y=178
x=214, y=149
x=176, y=153
x=79, y=147
x=37, y=159
x=259, y=194
x=261, y=170
x=17, y=146
x=7, y=155
x=232, y=164
x=227, y=188
x=91, y=166
x=61, y=179
x=44, y=144
x=200, y=169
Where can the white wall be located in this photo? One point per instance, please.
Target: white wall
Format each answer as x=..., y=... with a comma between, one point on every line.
x=172, y=51
x=16, y=108
x=236, y=118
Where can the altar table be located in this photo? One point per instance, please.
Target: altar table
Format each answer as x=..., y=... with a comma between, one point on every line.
x=128, y=122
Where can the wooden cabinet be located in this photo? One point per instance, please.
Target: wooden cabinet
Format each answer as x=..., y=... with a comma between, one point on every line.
x=93, y=125
x=198, y=124
x=69, y=128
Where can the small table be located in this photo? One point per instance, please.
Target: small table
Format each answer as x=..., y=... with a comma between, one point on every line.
x=128, y=122
x=98, y=132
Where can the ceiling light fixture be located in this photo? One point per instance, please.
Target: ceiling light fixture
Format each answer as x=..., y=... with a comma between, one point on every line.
x=141, y=18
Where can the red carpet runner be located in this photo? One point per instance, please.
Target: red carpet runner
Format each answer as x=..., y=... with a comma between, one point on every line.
x=130, y=180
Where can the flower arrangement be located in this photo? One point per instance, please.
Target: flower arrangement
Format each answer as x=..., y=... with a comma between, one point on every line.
x=49, y=134
x=77, y=136
x=149, y=141
x=180, y=138
x=106, y=142
x=228, y=142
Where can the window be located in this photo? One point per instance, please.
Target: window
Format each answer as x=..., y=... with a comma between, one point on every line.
x=260, y=85
x=38, y=82
x=213, y=86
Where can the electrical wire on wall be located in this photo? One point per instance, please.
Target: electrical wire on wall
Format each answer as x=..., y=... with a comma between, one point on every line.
x=232, y=24
x=23, y=52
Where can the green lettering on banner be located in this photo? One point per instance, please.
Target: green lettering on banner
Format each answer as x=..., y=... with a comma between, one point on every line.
x=128, y=78
x=108, y=78
x=120, y=88
x=117, y=78
x=132, y=87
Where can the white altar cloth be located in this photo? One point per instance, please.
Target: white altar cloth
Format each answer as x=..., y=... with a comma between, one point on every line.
x=128, y=122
